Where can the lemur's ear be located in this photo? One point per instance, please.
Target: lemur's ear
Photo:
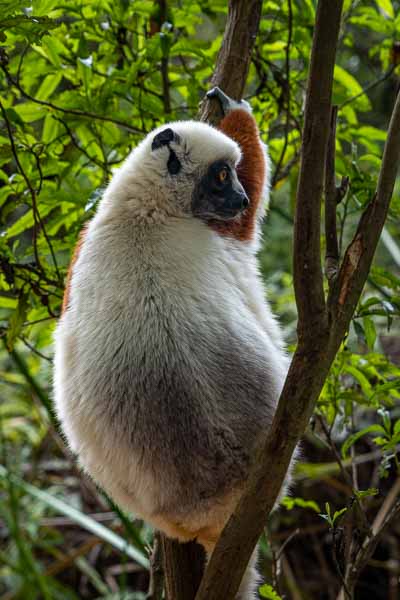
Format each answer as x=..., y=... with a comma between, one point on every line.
x=164, y=138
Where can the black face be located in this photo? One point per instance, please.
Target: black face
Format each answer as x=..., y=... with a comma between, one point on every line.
x=219, y=194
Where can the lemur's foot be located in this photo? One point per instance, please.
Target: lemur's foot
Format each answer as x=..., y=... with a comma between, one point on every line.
x=227, y=104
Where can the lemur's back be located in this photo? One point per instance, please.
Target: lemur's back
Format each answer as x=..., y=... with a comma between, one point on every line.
x=164, y=361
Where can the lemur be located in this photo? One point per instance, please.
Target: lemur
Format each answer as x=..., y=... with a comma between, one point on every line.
x=168, y=360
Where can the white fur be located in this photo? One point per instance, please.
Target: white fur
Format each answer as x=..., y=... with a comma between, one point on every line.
x=207, y=283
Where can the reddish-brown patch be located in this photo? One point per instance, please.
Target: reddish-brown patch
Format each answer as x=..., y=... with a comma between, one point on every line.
x=75, y=255
x=241, y=127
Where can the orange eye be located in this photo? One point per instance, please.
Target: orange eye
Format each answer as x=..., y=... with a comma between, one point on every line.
x=223, y=175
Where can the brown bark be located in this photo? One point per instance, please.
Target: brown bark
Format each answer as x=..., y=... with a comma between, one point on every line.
x=183, y=568
x=156, y=583
x=233, y=60
x=332, y=246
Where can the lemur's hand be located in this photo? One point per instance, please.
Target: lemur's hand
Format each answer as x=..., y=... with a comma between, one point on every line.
x=227, y=104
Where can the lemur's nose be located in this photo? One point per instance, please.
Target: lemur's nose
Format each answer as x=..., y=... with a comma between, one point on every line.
x=245, y=202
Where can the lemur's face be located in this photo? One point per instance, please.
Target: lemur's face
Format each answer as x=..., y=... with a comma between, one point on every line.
x=198, y=166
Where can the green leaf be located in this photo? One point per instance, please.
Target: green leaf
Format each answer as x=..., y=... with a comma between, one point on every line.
x=289, y=503
x=351, y=87
x=267, y=591
x=26, y=221
x=370, y=332
x=338, y=513
x=366, y=493
x=360, y=378
x=14, y=117
x=359, y=329
x=10, y=7
x=48, y=85
x=51, y=128
x=351, y=440
x=16, y=321
x=368, y=131
x=43, y=7
x=387, y=7
x=31, y=28
x=78, y=517
x=31, y=111
x=6, y=302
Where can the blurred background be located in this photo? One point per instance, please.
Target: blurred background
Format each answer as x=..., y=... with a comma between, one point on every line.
x=81, y=82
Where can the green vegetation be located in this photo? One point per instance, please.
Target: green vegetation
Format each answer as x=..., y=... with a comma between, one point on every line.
x=81, y=82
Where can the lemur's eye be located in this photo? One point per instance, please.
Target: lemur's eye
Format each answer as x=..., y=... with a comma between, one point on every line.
x=223, y=175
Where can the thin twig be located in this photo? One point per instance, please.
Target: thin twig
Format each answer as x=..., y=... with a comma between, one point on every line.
x=34, y=350
x=345, y=474
x=27, y=182
x=38, y=222
x=388, y=512
x=332, y=247
x=74, y=141
x=287, y=93
x=156, y=584
x=369, y=87
x=345, y=292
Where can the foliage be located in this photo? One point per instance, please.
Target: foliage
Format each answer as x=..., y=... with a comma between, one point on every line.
x=81, y=83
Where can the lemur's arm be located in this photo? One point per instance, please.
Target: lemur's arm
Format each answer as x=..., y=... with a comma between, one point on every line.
x=240, y=125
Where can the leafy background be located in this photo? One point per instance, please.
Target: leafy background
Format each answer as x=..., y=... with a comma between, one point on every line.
x=81, y=82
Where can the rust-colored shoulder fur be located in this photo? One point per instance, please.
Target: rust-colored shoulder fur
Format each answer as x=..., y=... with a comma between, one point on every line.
x=241, y=127
x=70, y=268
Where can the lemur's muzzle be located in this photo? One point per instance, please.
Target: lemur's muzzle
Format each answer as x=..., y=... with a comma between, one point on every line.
x=235, y=201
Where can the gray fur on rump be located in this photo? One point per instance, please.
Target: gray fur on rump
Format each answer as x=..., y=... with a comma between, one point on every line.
x=169, y=362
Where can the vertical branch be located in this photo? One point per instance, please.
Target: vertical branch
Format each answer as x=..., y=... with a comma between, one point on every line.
x=233, y=60
x=333, y=195
x=308, y=280
x=156, y=584
x=332, y=247
x=183, y=568
x=387, y=515
x=358, y=257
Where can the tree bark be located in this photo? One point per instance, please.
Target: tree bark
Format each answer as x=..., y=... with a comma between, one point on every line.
x=234, y=57
x=183, y=568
